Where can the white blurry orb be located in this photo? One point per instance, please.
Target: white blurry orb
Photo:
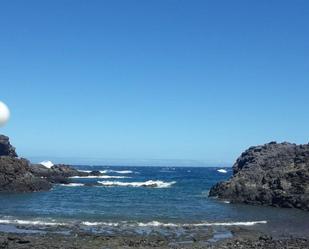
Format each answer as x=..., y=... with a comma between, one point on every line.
x=4, y=113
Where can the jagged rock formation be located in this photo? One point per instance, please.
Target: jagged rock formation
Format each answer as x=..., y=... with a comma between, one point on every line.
x=272, y=174
x=58, y=170
x=15, y=176
x=6, y=149
x=58, y=173
x=15, y=173
x=19, y=175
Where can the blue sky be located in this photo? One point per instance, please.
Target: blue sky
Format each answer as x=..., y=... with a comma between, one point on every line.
x=149, y=82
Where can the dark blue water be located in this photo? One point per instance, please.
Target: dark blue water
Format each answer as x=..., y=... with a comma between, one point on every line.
x=180, y=198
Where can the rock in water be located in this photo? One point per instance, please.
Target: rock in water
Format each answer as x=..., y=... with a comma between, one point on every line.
x=272, y=174
x=6, y=149
x=15, y=176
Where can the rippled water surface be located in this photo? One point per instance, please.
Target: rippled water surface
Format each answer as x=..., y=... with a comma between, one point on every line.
x=147, y=196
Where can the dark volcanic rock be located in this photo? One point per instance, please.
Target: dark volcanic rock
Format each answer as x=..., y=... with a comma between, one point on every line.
x=272, y=174
x=15, y=176
x=59, y=173
x=56, y=171
x=6, y=149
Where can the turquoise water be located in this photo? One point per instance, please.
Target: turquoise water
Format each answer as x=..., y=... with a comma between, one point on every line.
x=179, y=198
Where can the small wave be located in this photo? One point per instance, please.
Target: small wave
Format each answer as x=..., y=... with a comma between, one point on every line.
x=101, y=177
x=85, y=171
x=117, y=171
x=127, y=224
x=31, y=222
x=73, y=185
x=112, y=224
x=161, y=224
x=204, y=224
x=150, y=183
x=224, y=171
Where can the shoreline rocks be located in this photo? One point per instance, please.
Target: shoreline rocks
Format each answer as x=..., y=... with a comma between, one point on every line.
x=16, y=176
x=274, y=174
x=19, y=175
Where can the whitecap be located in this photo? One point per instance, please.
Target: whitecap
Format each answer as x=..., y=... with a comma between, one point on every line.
x=150, y=183
x=117, y=171
x=85, y=171
x=224, y=171
x=101, y=177
x=31, y=222
x=162, y=224
x=245, y=223
x=87, y=223
x=73, y=185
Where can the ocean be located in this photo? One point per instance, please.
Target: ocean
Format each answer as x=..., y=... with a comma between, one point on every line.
x=142, y=200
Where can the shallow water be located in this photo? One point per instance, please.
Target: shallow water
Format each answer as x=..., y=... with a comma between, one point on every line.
x=144, y=198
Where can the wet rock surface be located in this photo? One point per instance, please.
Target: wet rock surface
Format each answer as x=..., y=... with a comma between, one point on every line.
x=274, y=174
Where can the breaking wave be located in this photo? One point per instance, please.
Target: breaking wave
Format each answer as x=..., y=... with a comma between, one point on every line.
x=161, y=224
x=73, y=185
x=224, y=171
x=150, y=184
x=101, y=177
x=117, y=171
x=31, y=222
x=51, y=222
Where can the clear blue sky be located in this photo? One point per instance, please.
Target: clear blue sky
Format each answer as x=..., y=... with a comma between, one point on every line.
x=153, y=80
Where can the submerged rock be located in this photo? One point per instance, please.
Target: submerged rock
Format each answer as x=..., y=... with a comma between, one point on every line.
x=272, y=174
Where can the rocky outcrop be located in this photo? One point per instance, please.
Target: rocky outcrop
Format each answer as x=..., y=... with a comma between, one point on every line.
x=18, y=175
x=59, y=173
x=15, y=176
x=15, y=173
x=272, y=174
x=58, y=170
x=6, y=149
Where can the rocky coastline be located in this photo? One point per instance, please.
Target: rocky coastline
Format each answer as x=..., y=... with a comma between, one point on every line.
x=19, y=175
x=274, y=174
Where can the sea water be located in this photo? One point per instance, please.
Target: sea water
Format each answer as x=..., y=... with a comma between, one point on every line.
x=143, y=199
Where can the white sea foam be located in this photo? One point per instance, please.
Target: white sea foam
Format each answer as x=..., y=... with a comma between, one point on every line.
x=129, y=224
x=113, y=224
x=150, y=183
x=31, y=222
x=101, y=177
x=241, y=223
x=47, y=164
x=85, y=171
x=161, y=224
x=117, y=171
x=224, y=171
x=73, y=185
